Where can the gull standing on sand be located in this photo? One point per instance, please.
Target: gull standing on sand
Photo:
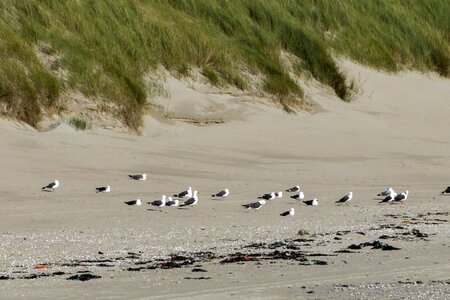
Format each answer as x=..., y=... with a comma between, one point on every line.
x=401, y=197
x=159, y=203
x=446, y=191
x=255, y=205
x=279, y=195
x=312, y=202
x=389, y=198
x=268, y=196
x=293, y=189
x=386, y=192
x=52, y=185
x=191, y=201
x=290, y=212
x=103, y=189
x=187, y=193
x=134, y=202
x=346, y=198
x=299, y=196
x=140, y=177
x=222, y=194
x=171, y=202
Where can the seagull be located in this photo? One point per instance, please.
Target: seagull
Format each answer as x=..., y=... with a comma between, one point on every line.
x=401, y=197
x=171, y=202
x=446, y=191
x=255, y=205
x=222, y=194
x=138, y=176
x=191, y=201
x=311, y=202
x=187, y=193
x=134, y=202
x=268, y=196
x=386, y=192
x=346, y=198
x=103, y=189
x=299, y=196
x=290, y=212
x=159, y=203
x=279, y=195
x=53, y=185
x=389, y=198
x=293, y=189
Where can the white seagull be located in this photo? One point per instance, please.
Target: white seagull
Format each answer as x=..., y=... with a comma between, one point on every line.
x=311, y=202
x=159, y=203
x=191, y=201
x=299, y=196
x=103, y=189
x=134, y=202
x=52, y=185
x=386, y=192
x=222, y=194
x=446, y=191
x=389, y=198
x=268, y=196
x=187, y=193
x=171, y=202
x=293, y=189
x=138, y=176
x=279, y=195
x=255, y=205
x=346, y=198
x=401, y=197
x=290, y=212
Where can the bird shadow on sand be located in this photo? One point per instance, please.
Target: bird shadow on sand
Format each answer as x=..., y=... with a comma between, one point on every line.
x=48, y=191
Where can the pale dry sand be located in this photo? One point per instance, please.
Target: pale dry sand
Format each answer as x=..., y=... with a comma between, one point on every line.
x=395, y=133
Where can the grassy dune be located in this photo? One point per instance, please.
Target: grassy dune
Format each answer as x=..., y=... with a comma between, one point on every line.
x=105, y=48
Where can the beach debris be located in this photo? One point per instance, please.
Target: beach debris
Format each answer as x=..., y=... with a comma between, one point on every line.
x=140, y=177
x=290, y=212
x=103, y=189
x=199, y=270
x=346, y=198
x=293, y=189
x=51, y=186
x=374, y=245
x=84, y=277
x=42, y=267
x=185, y=194
x=224, y=193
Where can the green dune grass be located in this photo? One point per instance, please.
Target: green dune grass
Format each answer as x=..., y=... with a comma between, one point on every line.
x=106, y=48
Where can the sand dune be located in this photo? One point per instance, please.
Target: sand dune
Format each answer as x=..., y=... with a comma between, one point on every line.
x=394, y=133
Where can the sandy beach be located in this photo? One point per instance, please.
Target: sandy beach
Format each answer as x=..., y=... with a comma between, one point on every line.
x=393, y=134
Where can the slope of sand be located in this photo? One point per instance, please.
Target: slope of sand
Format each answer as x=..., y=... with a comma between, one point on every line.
x=395, y=133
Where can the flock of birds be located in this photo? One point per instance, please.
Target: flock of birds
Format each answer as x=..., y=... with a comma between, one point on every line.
x=192, y=196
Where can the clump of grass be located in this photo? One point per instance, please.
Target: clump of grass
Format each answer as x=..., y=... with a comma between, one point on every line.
x=211, y=74
x=79, y=123
x=108, y=47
